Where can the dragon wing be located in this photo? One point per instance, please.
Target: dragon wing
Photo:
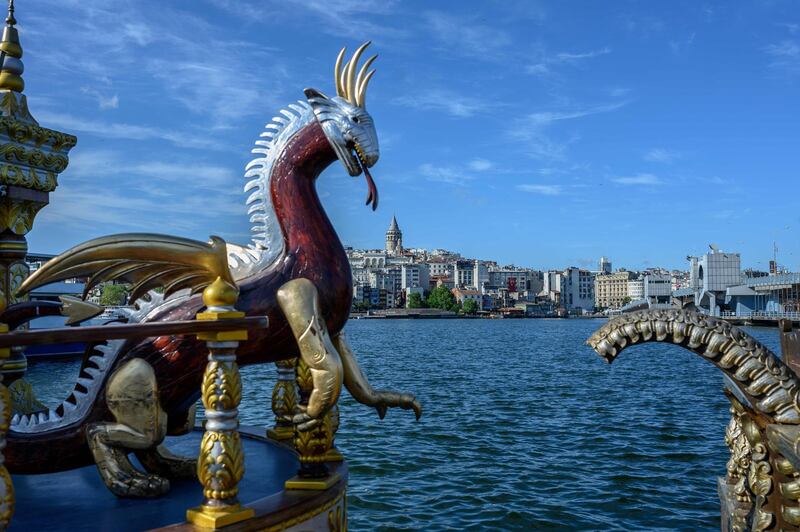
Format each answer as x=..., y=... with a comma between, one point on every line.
x=147, y=261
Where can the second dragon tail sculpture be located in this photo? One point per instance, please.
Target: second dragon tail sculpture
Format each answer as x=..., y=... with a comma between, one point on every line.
x=770, y=386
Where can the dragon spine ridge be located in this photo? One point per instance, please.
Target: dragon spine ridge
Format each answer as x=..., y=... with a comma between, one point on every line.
x=268, y=240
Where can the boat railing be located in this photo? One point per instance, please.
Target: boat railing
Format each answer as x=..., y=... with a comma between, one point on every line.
x=222, y=329
x=761, y=315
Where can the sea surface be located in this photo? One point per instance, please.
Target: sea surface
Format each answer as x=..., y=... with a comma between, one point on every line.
x=523, y=427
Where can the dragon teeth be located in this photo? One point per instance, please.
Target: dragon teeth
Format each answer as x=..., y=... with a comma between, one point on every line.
x=15, y=420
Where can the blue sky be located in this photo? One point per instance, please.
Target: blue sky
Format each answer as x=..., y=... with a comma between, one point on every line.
x=540, y=133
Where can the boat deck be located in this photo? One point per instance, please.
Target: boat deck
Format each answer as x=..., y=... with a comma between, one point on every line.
x=78, y=499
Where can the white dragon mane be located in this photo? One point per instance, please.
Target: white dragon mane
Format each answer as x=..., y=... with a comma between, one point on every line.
x=268, y=239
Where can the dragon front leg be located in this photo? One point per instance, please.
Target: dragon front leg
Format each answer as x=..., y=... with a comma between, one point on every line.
x=357, y=384
x=299, y=301
x=140, y=426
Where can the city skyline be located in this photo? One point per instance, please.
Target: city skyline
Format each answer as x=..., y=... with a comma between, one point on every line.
x=395, y=225
x=527, y=133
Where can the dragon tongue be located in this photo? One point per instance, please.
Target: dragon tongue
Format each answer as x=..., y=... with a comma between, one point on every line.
x=372, y=197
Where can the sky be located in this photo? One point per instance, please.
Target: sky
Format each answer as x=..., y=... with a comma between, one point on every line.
x=543, y=134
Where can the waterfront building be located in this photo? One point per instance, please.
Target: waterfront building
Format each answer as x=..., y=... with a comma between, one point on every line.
x=464, y=294
x=445, y=254
x=711, y=275
x=657, y=287
x=394, y=238
x=552, y=286
x=440, y=268
x=464, y=273
x=636, y=289
x=414, y=276
x=537, y=309
x=604, y=265
x=412, y=290
x=680, y=279
x=480, y=276
x=577, y=290
x=511, y=278
x=611, y=289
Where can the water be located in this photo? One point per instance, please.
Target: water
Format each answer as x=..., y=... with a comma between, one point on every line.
x=523, y=427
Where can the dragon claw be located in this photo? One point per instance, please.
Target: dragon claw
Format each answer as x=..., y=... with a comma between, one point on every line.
x=303, y=421
x=406, y=401
x=417, y=409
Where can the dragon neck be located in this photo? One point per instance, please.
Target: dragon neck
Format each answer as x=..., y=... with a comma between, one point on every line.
x=302, y=219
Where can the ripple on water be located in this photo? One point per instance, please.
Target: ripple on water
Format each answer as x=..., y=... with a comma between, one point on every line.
x=523, y=427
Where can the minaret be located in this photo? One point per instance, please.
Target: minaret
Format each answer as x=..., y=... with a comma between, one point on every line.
x=31, y=157
x=394, y=238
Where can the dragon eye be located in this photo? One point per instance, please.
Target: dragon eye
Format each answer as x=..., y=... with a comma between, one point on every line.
x=355, y=119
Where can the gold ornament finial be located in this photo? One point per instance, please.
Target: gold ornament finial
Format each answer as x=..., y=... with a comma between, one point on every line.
x=11, y=67
x=220, y=294
x=10, y=20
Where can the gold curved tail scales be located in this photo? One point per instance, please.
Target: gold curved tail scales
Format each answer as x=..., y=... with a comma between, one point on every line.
x=770, y=386
x=145, y=260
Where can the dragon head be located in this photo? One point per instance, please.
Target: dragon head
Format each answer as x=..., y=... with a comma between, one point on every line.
x=344, y=118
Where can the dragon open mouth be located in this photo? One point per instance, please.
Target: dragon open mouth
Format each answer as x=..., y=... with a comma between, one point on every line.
x=372, y=196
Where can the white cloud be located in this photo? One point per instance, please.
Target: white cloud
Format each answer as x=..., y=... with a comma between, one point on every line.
x=334, y=17
x=103, y=102
x=119, y=130
x=639, y=179
x=546, y=61
x=786, y=55
x=445, y=174
x=661, y=155
x=544, y=118
x=547, y=190
x=89, y=165
x=445, y=101
x=530, y=130
x=480, y=165
x=147, y=195
x=462, y=35
x=784, y=49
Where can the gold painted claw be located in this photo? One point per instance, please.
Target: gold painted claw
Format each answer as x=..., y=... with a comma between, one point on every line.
x=406, y=401
x=303, y=421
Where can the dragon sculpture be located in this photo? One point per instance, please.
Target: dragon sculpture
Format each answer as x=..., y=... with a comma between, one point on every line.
x=765, y=405
x=295, y=272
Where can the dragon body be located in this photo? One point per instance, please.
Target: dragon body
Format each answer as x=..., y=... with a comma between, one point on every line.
x=294, y=239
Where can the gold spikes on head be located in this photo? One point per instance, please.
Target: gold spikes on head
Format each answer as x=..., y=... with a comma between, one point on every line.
x=349, y=86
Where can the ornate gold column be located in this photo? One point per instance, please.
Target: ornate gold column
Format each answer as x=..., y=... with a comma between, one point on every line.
x=31, y=157
x=220, y=465
x=284, y=401
x=6, y=486
x=314, y=445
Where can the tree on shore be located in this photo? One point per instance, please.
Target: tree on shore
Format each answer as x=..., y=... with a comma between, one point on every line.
x=113, y=295
x=470, y=306
x=442, y=298
x=415, y=300
x=361, y=306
